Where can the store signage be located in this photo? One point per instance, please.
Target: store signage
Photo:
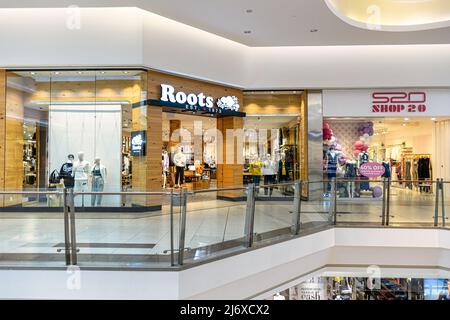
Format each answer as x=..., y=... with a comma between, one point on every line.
x=399, y=102
x=411, y=102
x=372, y=169
x=227, y=105
x=138, y=143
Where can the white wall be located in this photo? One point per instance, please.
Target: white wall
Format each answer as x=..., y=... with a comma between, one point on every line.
x=246, y=275
x=41, y=37
x=134, y=37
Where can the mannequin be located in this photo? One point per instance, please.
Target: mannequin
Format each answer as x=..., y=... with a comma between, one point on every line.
x=81, y=170
x=331, y=165
x=387, y=169
x=363, y=158
x=268, y=171
x=283, y=168
x=165, y=167
x=179, y=159
x=255, y=170
x=66, y=172
x=350, y=174
x=126, y=165
x=98, y=173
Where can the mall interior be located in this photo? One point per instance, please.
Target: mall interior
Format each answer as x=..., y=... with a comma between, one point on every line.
x=171, y=146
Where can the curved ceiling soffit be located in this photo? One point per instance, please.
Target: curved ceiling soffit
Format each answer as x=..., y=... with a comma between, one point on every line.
x=393, y=15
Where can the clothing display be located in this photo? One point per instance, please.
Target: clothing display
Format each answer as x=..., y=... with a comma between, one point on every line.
x=179, y=159
x=284, y=168
x=66, y=173
x=98, y=173
x=179, y=175
x=387, y=169
x=268, y=171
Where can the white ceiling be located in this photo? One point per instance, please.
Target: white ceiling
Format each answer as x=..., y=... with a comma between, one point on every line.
x=272, y=22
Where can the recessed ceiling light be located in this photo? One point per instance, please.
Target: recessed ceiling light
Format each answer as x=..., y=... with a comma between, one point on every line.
x=433, y=119
x=313, y=30
x=126, y=72
x=249, y=10
x=80, y=72
x=57, y=72
x=406, y=119
x=247, y=31
x=33, y=73
x=102, y=72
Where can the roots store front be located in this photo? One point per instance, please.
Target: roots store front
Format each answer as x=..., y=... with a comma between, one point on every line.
x=405, y=131
x=139, y=130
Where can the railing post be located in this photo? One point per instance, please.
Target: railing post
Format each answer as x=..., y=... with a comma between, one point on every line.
x=250, y=215
x=443, y=202
x=335, y=201
x=436, y=203
x=181, y=248
x=383, y=209
x=73, y=236
x=172, y=257
x=332, y=217
x=297, y=208
x=388, y=202
x=66, y=227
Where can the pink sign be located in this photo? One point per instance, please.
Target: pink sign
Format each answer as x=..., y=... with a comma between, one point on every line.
x=372, y=170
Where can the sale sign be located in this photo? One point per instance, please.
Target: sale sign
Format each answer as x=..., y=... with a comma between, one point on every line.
x=372, y=169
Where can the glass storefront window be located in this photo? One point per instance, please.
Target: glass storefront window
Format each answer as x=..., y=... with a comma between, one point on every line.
x=403, y=146
x=72, y=128
x=274, y=139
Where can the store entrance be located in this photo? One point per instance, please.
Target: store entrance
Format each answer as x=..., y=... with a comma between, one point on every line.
x=406, y=147
x=189, y=153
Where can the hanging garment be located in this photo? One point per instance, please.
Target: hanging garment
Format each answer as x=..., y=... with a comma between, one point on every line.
x=387, y=170
x=332, y=159
x=408, y=174
x=423, y=168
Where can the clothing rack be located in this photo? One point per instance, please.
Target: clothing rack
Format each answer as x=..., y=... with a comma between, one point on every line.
x=427, y=184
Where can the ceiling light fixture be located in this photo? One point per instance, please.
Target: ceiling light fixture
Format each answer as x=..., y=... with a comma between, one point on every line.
x=433, y=119
x=57, y=72
x=406, y=119
x=33, y=73
x=249, y=10
x=247, y=31
x=313, y=30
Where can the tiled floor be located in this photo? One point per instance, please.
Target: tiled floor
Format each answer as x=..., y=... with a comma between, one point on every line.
x=209, y=221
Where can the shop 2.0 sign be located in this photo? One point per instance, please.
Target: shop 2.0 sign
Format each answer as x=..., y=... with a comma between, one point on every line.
x=228, y=105
x=399, y=102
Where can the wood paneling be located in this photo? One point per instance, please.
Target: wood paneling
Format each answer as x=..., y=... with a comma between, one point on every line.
x=272, y=104
x=2, y=130
x=14, y=145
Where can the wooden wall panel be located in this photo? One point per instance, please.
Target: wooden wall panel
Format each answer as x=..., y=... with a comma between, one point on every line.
x=2, y=130
x=14, y=145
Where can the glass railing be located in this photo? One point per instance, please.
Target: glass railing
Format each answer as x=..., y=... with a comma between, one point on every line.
x=173, y=228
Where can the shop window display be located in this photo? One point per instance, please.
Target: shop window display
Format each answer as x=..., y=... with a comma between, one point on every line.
x=403, y=147
x=77, y=127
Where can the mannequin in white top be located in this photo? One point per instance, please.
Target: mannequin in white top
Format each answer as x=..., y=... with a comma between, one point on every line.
x=98, y=173
x=268, y=170
x=165, y=167
x=179, y=159
x=80, y=172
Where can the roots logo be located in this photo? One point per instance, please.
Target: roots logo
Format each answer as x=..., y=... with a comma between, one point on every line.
x=228, y=103
x=399, y=102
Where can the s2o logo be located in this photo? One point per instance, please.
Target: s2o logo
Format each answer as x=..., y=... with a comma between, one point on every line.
x=410, y=102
